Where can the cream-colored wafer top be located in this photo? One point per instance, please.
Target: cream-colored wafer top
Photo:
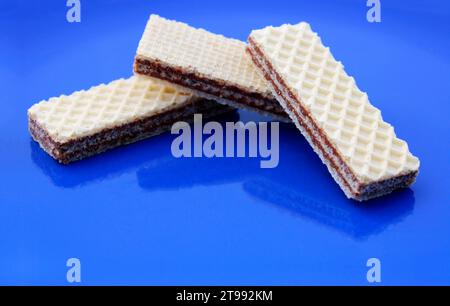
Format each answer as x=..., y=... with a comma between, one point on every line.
x=355, y=127
x=198, y=51
x=84, y=113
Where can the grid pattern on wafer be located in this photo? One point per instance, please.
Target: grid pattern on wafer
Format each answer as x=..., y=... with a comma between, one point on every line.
x=353, y=125
x=122, y=101
x=199, y=51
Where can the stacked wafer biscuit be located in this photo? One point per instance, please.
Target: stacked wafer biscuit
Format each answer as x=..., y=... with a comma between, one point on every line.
x=285, y=72
x=361, y=151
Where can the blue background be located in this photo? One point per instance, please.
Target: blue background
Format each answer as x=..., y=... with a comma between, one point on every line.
x=136, y=215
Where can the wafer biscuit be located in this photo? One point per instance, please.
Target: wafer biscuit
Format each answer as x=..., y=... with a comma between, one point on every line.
x=70, y=128
x=214, y=66
x=361, y=151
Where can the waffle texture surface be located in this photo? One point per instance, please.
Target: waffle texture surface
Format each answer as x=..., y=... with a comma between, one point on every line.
x=199, y=51
x=355, y=128
x=87, y=112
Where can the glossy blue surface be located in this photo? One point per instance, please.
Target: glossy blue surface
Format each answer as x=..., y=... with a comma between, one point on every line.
x=136, y=215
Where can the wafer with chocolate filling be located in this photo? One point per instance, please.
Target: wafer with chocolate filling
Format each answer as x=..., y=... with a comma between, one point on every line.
x=361, y=150
x=216, y=67
x=70, y=128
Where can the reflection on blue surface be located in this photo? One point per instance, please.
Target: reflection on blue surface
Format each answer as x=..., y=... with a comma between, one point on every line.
x=136, y=215
x=286, y=192
x=114, y=163
x=358, y=221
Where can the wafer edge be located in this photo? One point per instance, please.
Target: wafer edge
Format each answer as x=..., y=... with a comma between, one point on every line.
x=218, y=90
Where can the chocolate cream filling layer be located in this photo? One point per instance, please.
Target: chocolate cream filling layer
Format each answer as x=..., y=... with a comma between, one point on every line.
x=340, y=171
x=80, y=148
x=215, y=88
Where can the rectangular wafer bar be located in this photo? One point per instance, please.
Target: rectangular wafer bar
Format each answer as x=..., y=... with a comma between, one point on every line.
x=216, y=67
x=361, y=151
x=70, y=128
